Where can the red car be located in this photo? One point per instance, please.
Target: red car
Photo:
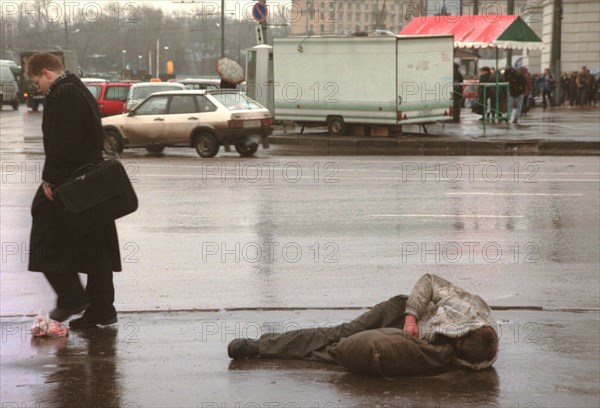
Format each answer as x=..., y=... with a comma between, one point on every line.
x=110, y=96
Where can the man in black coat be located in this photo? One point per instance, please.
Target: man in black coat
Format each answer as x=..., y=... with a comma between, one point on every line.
x=516, y=90
x=458, y=93
x=73, y=136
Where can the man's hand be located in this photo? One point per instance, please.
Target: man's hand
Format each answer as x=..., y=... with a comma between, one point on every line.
x=410, y=325
x=48, y=190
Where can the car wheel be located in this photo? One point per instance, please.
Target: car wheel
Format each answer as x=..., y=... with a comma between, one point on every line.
x=206, y=145
x=155, y=149
x=15, y=104
x=336, y=126
x=112, y=143
x=246, y=149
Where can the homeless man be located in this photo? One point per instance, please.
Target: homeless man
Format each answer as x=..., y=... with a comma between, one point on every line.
x=438, y=327
x=73, y=136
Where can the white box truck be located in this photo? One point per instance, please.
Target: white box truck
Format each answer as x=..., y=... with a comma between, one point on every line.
x=378, y=81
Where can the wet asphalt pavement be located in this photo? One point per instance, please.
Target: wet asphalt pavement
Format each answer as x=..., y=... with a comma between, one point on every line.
x=219, y=248
x=547, y=359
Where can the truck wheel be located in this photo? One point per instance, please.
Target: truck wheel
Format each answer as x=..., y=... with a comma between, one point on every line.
x=35, y=107
x=336, y=126
x=246, y=149
x=206, y=145
x=155, y=149
x=112, y=143
x=15, y=104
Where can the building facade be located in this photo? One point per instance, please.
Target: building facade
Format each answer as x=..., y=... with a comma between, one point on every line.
x=580, y=34
x=580, y=31
x=349, y=16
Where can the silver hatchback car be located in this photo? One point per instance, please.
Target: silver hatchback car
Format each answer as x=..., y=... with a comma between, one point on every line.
x=204, y=120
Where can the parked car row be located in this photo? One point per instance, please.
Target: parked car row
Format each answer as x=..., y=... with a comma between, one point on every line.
x=118, y=97
x=9, y=89
x=204, y=120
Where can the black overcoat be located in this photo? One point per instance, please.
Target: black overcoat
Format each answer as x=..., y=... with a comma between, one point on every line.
x=73, y=136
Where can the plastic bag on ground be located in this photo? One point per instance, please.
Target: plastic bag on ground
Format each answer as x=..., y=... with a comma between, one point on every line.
x=46, y=327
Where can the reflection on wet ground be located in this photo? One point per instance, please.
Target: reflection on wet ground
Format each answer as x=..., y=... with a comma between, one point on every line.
x=84, y=372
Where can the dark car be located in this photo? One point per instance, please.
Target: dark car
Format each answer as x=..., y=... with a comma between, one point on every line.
x=110, y=96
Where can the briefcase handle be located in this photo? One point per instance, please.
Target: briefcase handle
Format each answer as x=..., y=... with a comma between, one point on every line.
x=82, y=169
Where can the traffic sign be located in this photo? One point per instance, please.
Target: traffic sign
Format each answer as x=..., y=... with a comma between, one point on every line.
x=260, y=11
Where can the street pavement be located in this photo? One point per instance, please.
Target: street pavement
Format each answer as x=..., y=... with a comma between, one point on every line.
x=179, y=359
x=232, y=247
x=554, y=131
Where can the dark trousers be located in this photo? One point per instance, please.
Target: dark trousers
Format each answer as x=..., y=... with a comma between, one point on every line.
x=314, y=343
x=549, y=95
x=99, y=292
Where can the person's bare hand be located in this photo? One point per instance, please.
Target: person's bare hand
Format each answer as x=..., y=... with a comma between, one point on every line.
x=410, y=325
x=48, y=191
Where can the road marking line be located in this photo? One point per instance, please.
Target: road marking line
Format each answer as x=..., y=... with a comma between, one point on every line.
x=446, y=216
x=516, y=194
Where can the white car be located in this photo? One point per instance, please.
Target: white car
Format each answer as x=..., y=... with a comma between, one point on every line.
x=204, y=120
x=139, y=91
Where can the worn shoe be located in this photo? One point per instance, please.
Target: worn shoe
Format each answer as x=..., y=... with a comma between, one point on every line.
x=242, y=348
x=60, y=314
x=87, y=321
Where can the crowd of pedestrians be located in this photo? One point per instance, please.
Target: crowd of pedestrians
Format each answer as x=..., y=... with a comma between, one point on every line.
x=578, y=88
x=525, y=91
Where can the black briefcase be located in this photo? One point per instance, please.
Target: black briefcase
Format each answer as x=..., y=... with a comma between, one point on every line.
x=96, y=195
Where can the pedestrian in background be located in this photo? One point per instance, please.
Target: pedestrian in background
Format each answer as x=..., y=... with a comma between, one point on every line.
x=528, y=91
x=564, y=88
x=546, y=83
x=485, y=77
x=73, y=136
x=457, y=98
x=573, y=89
x=516, y=91
x=584, y=83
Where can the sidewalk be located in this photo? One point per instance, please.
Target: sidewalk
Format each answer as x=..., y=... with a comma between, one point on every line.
x=555, y=131
x=179, y=359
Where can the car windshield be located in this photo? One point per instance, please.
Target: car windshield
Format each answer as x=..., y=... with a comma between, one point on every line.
x=95, y=90
x=5, y=73
x=143, y=92
x=236, y=101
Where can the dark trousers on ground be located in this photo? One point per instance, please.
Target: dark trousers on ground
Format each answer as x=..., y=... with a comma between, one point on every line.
x=99, y=292
x=314, y=343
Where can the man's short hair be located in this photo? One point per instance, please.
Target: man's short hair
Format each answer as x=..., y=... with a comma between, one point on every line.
x=43, y=60
x=479, y=345
x=486, y=69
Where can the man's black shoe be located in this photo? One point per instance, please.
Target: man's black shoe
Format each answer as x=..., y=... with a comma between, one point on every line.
x=60, y=314
x=85, y=322
x=242, y=348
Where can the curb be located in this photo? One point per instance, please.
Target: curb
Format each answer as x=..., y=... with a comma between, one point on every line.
x=430, y=145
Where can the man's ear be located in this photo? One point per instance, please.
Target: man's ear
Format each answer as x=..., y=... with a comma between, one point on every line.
x=47, y=73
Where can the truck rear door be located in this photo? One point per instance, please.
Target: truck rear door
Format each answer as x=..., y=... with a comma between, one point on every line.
x=425, y=76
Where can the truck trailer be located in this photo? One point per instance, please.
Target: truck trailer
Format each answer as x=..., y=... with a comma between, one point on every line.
x=378, y=82
x=30, y=93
